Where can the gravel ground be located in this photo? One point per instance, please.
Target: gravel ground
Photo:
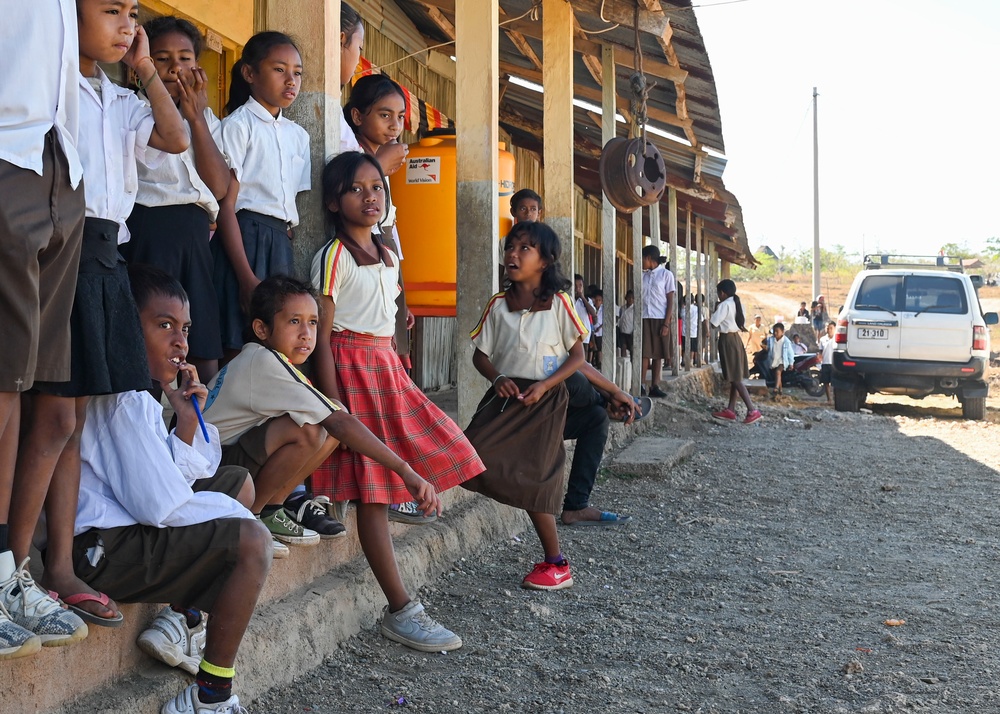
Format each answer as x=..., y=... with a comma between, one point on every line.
x=759, y=576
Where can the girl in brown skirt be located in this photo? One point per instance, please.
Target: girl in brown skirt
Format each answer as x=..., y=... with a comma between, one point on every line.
x=728, y=317
x=528, y=342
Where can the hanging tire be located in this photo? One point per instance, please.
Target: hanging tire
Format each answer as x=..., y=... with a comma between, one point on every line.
x=846, y=400
x=814, y=388
x=974, y=408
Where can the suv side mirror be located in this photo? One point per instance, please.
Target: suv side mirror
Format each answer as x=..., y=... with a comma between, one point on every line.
x=991, y=318
x=977, y=281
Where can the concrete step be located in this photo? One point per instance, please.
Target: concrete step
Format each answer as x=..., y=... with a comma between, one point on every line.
x=651, y=456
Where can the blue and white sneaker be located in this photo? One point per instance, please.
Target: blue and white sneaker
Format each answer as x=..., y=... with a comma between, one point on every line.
x=33, y=608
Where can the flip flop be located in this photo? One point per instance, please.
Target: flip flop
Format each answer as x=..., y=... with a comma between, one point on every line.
x=74, y=600
x=607, y=519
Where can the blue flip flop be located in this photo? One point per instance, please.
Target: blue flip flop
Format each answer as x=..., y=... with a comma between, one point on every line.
x=607, y=519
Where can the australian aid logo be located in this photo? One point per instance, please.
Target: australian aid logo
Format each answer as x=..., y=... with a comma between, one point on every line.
x=425, y=169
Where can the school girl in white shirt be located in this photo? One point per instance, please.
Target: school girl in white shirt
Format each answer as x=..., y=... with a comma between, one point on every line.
x=728, y=317
x=269, y=156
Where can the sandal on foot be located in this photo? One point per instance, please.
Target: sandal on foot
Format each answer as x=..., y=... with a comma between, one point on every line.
x=74, y=601
x=608, y=518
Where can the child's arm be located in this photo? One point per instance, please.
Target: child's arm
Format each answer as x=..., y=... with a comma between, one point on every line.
x=208, y=160
x=503, y=385
x=348, y=430
x=228, y=231
x=322, y=358
x=169, y=134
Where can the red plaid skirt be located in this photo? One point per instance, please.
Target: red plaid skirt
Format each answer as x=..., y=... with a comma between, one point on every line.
x=376, y=389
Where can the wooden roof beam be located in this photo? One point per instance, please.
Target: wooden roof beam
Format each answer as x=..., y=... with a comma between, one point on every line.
x=522, y=123
x=524, y=48
x=437, y=16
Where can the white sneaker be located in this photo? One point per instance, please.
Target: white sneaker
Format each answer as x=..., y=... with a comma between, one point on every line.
x=169, y=639
x=33, y=608
x=187, y=703
x=279, y=550
x=15, y=641
x=413, y=627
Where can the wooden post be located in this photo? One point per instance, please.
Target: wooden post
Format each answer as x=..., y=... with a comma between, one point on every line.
x=609, y=351
x=316, y=29
x=713, y=271
x=477, y=82
x=557, y=123
x=675, y=307
x=638, y=376
x=704, y=334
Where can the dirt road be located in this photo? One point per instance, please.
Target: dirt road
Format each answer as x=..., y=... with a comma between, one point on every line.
x=763, y=575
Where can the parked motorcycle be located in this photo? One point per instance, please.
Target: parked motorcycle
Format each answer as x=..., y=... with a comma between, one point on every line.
x=804, y=372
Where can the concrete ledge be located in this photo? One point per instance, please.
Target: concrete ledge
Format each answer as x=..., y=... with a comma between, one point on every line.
x=291, y=632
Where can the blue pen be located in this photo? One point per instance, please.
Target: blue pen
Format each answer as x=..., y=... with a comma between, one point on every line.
x=201, y=419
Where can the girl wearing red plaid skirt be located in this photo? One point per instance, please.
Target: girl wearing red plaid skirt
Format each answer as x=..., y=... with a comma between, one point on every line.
x=528, y=341
x=357, y=277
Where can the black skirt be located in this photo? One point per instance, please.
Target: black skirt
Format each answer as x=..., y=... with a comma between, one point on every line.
x=269, y=252
x=108, y=352
x=175, y=239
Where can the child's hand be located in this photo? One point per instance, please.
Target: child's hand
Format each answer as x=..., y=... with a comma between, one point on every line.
x=246, y=291
x=506, y=387
x=193, y=94
x=534, y=393
x=622, y=407
x=391, y=156
x=423, y=492
x=139, y=51
x=190, y=388
x=411, y=319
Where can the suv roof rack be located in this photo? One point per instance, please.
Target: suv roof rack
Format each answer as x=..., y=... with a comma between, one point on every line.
x=876, y=261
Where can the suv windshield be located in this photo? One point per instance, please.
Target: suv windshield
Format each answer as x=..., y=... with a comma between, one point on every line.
x=912, y=293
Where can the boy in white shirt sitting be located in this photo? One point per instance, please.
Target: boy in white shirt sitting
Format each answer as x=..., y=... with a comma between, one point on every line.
x=156, y=499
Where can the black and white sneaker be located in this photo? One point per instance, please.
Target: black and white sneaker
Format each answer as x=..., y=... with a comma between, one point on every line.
x=311, y=512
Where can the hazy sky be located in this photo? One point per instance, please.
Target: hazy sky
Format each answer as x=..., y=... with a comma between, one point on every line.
x=909, y=127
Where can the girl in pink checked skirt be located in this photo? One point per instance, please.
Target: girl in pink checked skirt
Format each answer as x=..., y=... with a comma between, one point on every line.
x=357, y=278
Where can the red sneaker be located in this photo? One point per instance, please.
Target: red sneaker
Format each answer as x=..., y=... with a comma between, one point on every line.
x=725, y=415
x=753, y=416
x=548, y=576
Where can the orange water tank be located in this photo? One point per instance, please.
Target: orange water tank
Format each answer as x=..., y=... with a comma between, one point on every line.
x=424, y=192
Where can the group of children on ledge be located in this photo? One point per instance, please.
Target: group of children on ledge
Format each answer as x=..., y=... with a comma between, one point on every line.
x=193, y=516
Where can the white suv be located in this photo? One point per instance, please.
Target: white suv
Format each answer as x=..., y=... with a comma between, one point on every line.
x=912, y=326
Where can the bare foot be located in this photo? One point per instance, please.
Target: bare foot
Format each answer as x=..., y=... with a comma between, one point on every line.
x=72, y=585
x=591, y=515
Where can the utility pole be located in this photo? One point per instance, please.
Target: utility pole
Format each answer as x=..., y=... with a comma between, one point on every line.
x=816, y=266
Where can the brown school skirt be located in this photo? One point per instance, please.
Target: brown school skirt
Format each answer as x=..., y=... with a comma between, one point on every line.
x=654, y=345
x=522, y=448
x=733, y=357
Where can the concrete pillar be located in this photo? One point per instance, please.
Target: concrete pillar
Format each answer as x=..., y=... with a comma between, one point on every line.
x=316, y=29
x=638, y=377
x=557, y=123
x=609, y=352
x=675, y=308
x=477, y=81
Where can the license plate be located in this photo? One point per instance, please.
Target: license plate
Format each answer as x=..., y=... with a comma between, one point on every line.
x=873, y=333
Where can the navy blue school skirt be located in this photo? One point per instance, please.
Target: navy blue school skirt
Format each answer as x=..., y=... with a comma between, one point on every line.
x=175, y=239
x=107, y=352
x=269, y=252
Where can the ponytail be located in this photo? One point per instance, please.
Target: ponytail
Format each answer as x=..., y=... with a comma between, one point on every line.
x=728, y=288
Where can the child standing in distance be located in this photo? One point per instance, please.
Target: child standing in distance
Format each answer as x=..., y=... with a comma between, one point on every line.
x=691, y=321
x=274, y=422
x=358, y=280
x=728, y=317
x=597, y=344
x=526, y=206
x=826, y=344
x=528, y=342
x=41, y=227
x=658, y=289
x=178, y=200
x=780, y=355
x=269, y=156
x=116, y=131
x=626, y=324
x=158, y=521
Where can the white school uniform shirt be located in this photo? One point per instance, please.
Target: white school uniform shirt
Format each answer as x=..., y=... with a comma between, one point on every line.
x=364, y=295
x=626, y=319
x=691, y=322
x=581, y=310
x=724, y=316
x=115, y=127
x=599, y=322
x=271, y=159
x=656, y=284
x=133, y=471
x=39, y=89
x=176, y=182
x=826, y=345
